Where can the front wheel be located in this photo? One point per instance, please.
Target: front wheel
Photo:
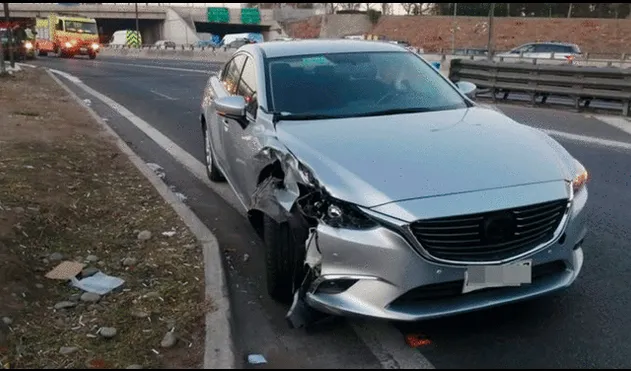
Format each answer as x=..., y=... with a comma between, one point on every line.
x=92, y=55
x=283, y=259
x=214, y=174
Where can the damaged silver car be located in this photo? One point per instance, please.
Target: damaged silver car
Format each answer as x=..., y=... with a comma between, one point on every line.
x=381, y=189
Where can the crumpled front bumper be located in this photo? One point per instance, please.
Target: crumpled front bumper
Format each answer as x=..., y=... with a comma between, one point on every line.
x=394, y=282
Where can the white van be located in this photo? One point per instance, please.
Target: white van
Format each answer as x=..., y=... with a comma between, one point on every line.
x=124, y=38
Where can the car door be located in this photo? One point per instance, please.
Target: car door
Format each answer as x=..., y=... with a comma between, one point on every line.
x=241, y=144
x=219, y=125
x=543, y=51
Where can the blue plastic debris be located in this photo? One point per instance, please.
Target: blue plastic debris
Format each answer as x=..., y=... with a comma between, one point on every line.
x=436, y=65
x=256, y=359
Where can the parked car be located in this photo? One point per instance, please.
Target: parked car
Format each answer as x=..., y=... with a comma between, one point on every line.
x=382, y=189
x=545, y=50
x=165, y=44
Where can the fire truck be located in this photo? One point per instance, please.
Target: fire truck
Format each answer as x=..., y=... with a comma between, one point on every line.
x=67, y=36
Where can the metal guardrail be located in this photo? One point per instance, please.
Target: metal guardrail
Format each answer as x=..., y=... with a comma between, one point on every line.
x=580, y=83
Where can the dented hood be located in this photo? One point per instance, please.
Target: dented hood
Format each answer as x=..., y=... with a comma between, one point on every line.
x=371, y=161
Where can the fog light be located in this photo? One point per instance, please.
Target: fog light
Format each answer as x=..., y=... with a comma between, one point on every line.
x=28, y=45
x=335, y=286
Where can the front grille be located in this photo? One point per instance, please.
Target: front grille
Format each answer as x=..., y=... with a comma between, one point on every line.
x=490, y=236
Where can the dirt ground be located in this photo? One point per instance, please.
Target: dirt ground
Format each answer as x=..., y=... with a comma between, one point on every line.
x=67, y=194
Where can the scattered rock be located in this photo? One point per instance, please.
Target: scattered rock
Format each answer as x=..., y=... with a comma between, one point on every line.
x=45, y=261
x=90, y=297
x=168, y=340
x=89, y=271
x=129, y=261
x=67, y=350
x=79, y=259
x=92, y=258
x=39, y=285
x=7, y=321
x=246, y=257
x=101, y=263
x=56, y=256
x=144, y=235
x=151, y=295
x=139, y=314
x=75, y=297
x=18, y=210
x=65, y=305
x=134, y=367
x=108, y=332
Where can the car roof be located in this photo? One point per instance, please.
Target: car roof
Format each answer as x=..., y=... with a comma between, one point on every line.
x=551, y=43
x=274, y=49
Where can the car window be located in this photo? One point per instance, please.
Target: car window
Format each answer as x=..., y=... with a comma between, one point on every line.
x=524, y=49
x=247, y=86
x=231, y=73
x=357, y=84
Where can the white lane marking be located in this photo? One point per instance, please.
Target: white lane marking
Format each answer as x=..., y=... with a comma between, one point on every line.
x=157, y=67
x=27, y=65
x=589, y=140
x=388, y=352
x=68, y=76
x=617, y=122
x=162, y=95
x=386, y=343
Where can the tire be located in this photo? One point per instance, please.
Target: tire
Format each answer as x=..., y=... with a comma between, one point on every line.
x=92, y=55
x=213, y=173
x=42, y=53
x=282, y=256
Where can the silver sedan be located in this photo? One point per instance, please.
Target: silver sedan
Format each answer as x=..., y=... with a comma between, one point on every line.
x=381, y=189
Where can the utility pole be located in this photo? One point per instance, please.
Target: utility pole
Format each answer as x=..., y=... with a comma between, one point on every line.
x=453, y=33
x=2, y=69
x=137, y=26
x=489, y=45
x=9, y=35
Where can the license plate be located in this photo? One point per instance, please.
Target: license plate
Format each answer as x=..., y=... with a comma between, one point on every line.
x=84, y=50
x=488, y=276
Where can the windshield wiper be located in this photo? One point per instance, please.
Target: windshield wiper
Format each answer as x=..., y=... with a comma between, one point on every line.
x=394, y=111
x=306, y=116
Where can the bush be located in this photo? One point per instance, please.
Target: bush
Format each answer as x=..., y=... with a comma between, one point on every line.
x=373, y=15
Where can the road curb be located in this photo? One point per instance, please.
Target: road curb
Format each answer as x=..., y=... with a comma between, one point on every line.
x=219, y=350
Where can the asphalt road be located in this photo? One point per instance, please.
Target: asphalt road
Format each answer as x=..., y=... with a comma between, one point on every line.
x=586, y=326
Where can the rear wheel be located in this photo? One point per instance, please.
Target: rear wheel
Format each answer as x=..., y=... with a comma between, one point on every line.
x=214, y=174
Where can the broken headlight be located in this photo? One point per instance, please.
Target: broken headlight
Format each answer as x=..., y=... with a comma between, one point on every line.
x=340, y=214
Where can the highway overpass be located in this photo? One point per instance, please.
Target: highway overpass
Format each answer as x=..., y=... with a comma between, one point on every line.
x=179, y=24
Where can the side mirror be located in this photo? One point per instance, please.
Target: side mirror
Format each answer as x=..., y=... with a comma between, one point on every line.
x=232, y=107
x=467, y=88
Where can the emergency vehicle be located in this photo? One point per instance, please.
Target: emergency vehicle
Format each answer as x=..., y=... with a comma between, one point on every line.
x=24, y=43
x=67, y=36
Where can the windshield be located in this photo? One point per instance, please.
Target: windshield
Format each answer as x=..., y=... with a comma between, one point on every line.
x=357, y=84
x=81, y=27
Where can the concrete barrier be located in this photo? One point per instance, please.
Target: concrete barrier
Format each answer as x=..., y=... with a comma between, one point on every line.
x=219, y=56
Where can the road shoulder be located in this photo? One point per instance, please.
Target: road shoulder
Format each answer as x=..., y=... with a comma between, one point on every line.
x=69, y=196
x=219, y=345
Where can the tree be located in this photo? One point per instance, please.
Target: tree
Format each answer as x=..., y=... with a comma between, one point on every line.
x=407, y=7
x=349, y=6
x=386, y=8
